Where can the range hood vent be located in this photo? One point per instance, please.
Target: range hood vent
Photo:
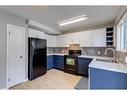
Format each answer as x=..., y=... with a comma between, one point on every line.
x=74, y=46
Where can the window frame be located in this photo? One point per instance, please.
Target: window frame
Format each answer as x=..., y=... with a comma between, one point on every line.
x=121, y=34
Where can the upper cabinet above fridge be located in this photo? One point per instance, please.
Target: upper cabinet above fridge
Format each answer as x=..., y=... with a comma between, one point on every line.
x=36, y=34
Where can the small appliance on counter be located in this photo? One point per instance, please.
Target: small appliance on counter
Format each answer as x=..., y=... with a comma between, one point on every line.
x=71, y=62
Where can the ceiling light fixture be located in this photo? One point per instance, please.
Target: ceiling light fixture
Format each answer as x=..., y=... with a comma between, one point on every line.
x=73, y=20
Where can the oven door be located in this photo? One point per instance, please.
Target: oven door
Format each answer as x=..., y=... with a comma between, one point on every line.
x=70, y=61
x=70, y=64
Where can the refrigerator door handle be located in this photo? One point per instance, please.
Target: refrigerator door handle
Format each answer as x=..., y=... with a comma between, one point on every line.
x=21, y=57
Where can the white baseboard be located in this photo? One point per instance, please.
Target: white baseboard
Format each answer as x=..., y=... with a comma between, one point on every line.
x=25, y=80
x=6, y=88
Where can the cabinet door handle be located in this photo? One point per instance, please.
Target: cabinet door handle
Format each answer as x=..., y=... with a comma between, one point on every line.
x=20, y=56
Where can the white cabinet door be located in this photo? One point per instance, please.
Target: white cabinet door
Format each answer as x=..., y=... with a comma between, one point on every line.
x=66, y=39
x=72, y=38
x=99, y=37
x=58, y=41
x=75, y=38
x=85, y=38
x=36, y=34
x=48, y=40
x=63, y=40
x=51, y=40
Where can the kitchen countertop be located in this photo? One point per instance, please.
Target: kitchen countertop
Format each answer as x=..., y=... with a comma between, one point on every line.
x=94, y=57
x=116, y=67
x=110, y=66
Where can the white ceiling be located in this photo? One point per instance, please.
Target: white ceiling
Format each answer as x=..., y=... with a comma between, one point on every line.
x=50, y=15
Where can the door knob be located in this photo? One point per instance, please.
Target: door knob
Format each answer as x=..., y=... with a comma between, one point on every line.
x=20, y=56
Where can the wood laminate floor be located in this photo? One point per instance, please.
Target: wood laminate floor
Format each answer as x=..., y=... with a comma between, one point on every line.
x=53, y=79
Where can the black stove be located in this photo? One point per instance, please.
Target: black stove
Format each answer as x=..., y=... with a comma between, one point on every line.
x=71, y=62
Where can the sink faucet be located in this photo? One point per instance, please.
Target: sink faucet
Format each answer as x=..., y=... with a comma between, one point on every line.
x=114, y=53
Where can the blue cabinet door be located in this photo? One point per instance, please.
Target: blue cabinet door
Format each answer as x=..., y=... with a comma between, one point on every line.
x=50, y=62
x=59, y=62
x=83, y=65
x=104, y=79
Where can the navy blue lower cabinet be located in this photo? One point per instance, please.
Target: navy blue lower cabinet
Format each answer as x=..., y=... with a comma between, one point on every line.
x=104, y=79
x=59, y=62
x=50, y=62
x=83, y=64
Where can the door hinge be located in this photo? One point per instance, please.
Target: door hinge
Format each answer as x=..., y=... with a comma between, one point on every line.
x=8, y=79
x=9, y=33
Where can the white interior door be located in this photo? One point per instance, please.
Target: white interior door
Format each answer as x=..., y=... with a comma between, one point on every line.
x=16, y=54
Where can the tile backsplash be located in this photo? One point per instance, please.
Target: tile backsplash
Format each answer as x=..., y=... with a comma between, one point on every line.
x=49, y=50
x=62, y=50
x=120, y=56
x=94, y=51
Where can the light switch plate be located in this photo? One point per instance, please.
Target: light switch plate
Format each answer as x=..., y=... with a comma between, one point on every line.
x=98, y=52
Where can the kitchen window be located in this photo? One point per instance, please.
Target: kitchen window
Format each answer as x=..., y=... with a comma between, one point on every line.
x=122, y=35
x=125, y=36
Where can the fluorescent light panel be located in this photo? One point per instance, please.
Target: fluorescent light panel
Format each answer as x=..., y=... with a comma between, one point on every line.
x=73, y=20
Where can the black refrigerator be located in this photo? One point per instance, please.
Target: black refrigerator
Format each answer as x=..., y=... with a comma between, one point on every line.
x=37, y=58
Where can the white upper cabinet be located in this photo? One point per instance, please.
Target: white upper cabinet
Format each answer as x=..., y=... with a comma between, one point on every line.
x=66, y=39
x=85, y=39
x=99, y=37
x=63, y=40
x=92, y=38
x=51, y=40
x=75, y=39
x=36, y=34
x=48, y=40
x=58, y=41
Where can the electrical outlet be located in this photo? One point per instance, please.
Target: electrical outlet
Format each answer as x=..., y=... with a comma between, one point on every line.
x=98, y=52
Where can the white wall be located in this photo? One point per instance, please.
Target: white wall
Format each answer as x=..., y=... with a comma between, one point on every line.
x=6, y=18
